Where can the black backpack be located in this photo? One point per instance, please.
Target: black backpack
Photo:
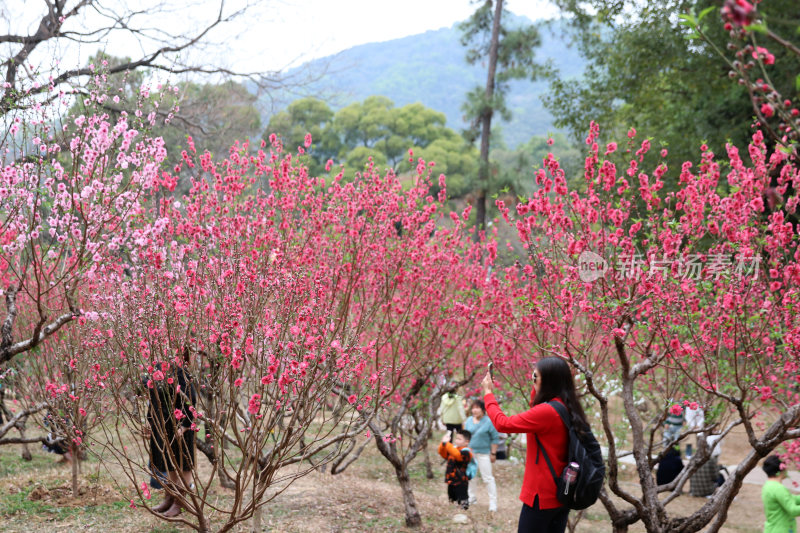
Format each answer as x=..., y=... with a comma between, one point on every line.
x=586, y=452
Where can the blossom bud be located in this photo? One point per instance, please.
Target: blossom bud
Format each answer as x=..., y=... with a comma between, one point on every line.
x=738, y=12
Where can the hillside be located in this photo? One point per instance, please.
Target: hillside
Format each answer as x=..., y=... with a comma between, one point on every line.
x=430, y=68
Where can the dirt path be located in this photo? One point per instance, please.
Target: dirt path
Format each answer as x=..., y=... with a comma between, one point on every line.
x=364, y=498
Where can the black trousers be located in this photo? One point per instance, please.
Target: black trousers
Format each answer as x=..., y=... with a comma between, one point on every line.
x=535, y=520
x=459, y=494
x=452, y=428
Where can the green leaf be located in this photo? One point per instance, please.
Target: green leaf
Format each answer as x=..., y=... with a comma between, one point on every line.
x=759, y=27
x=705, y=12
x=688, y=20
x=797, y=82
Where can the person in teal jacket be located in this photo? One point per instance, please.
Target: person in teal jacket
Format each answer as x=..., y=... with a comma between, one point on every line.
x=781, y=507
x=484, y=446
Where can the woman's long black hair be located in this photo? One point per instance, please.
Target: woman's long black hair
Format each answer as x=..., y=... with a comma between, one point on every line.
x=556, y=382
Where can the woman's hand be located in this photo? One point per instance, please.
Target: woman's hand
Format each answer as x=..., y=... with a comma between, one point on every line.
x=487, y=385
x=493, y=457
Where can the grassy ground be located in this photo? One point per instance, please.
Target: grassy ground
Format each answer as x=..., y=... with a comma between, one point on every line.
x=35, y=497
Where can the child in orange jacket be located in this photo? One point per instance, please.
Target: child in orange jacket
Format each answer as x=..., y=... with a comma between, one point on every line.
x=458, y=456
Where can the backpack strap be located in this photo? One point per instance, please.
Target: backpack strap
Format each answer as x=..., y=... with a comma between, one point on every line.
x=546, y=458
x=562, y=412
x=471, y=455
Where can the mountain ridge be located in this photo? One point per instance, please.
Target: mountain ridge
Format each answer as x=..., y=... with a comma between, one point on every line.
x=431, y=68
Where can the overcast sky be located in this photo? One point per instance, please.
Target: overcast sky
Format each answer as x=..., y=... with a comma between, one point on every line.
x=274, y=35
x=316, y=28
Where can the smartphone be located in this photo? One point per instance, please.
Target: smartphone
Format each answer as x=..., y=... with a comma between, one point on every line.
x=491, y=370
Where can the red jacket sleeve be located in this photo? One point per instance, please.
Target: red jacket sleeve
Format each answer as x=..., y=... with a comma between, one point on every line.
x=538, y=419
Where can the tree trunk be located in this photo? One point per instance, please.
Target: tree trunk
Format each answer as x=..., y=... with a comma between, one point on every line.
x=413, y=518
x=486, y=125
x=428, y=465
x=257, y=520
x=73, y=450
x=26, y=452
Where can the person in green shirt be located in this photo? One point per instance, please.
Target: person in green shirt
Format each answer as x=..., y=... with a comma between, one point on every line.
x=780, y=506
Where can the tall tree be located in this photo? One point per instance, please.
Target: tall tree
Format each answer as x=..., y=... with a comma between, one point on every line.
x=307, y=116
x=509, y=53
x=214, y=115
x=375, y=129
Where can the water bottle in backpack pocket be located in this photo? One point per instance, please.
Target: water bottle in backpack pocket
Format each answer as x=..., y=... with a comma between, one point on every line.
x=569, y=476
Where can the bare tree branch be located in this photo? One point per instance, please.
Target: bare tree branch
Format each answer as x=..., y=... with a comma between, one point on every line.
x=16, y=419
x=8, y=351
x=51, y=28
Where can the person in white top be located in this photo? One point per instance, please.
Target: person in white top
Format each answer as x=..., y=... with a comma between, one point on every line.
x=695, y=418
x=715, y=441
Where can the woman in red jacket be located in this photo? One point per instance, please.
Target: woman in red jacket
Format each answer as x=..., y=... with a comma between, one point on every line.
x=552, y=380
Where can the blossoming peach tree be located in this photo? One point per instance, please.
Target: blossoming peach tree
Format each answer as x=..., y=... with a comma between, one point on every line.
x=69, y=187
x=62, y=376
x=270, y=315
x=68, y=190
x=438, y=323
x=660, y=301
